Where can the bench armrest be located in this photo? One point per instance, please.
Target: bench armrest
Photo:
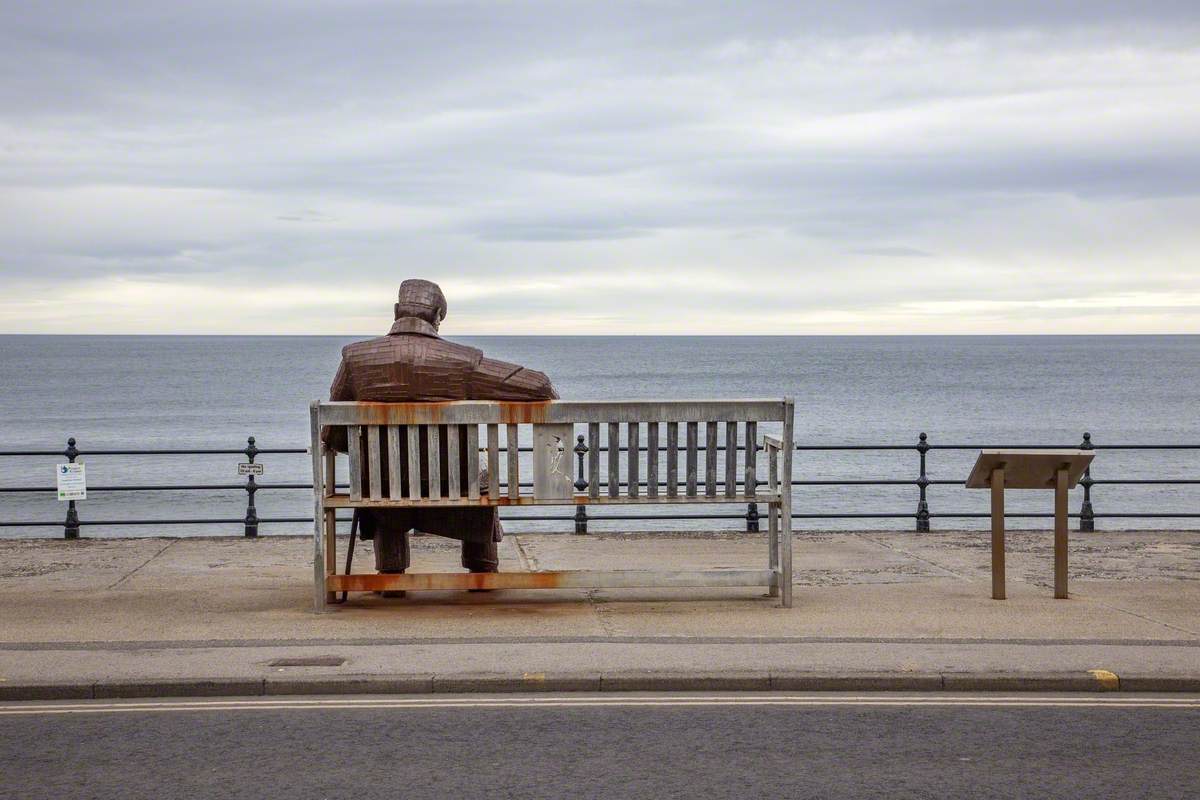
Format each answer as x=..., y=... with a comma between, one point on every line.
x=772, y=443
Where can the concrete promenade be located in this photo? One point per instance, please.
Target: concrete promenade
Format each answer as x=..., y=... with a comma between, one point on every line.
x=874, y=610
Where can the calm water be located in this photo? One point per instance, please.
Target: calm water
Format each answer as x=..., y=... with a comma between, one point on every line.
x=181, y=391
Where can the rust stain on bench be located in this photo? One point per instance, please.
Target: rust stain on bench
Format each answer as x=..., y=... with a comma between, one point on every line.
x=528, y=412
x=433, y=413
x=447, y=580
x=402, y=413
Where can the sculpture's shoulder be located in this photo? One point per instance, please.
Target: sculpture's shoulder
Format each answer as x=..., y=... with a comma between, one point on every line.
x=409, y=348
x=356, y=351
x=410, y=368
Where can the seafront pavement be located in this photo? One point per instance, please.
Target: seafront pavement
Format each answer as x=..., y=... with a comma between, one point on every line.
x=873, y=610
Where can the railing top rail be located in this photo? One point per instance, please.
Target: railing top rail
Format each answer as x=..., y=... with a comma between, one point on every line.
x=168, y=451
x=466, y=412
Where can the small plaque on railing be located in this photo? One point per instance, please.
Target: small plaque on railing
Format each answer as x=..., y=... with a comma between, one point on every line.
x=250, y=469
x=72, y=482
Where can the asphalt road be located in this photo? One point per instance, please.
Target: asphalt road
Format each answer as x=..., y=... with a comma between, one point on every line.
x=609, y=746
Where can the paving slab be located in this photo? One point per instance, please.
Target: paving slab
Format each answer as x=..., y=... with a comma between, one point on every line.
x=872, y=609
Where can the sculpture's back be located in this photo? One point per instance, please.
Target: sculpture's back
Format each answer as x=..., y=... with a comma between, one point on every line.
x=412, y=363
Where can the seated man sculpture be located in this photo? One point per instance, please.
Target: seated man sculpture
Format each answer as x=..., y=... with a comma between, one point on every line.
x=412, y=363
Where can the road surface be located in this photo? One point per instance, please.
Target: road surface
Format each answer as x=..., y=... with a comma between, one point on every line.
x=606, y=746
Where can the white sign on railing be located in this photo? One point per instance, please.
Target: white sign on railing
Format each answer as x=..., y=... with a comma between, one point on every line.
x=250, y=469
x=72, y=482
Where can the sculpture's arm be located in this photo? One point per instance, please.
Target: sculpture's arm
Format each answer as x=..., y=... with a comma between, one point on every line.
x=499, y=380
x=341, y=389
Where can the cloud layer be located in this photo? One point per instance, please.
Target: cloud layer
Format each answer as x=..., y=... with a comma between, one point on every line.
x=601, y=168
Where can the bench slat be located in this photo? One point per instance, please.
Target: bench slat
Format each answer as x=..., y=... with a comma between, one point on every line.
x=710, y=459
x=433, y=436
x=730, y=459
x=513, y=460
x=462, y=412
x=414, y=462
x=593, y=476
x=395, y=468
x=493, y=460
x=343, y=501
x=672, y=459
x=374, y=478
x=330, y=473
x=614, y=459
x=652, y=459
x=473, y=462
x=691, y=459
x=633, y=443
x=454, y=434
x=354, y=448
x=751, y=477
x=566, y=579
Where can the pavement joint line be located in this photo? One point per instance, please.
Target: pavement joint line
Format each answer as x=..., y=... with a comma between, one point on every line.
x=1142, y=617
x=205, y=644
x=599, y=608
x=130, y=574
x=865, y=536
x=528, y=563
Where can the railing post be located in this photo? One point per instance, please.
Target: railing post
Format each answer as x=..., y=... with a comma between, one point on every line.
x=923, y=484
x=1087, y=516
x=581, y=517
x=71, y=525
x=251, y=520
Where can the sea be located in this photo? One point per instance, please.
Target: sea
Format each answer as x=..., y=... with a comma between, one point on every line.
x=181, y=392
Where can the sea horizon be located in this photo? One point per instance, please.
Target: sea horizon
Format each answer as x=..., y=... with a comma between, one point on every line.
x=624, y=335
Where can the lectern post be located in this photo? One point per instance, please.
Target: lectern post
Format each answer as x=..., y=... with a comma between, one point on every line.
x=1060, y=534
x=998, y=533
x=1057, y=470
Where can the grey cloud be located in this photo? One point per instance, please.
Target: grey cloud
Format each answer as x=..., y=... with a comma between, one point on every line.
x=787, y=143
x=894, y=252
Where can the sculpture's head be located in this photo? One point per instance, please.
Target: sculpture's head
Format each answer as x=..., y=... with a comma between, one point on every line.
x=423, y=300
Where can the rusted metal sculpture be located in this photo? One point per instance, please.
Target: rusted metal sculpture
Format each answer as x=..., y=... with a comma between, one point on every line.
x=412, y=363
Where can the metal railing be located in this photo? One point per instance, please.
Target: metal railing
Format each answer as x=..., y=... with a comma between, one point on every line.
x=921, y=515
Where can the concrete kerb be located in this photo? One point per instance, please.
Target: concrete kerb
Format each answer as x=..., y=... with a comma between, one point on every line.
x=601, y=682
x=348, y=684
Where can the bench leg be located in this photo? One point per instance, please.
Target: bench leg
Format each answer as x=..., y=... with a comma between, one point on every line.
x=324, y=559
x=330, y=551
x=773, y=548
x=319, y=596
x=785, y=556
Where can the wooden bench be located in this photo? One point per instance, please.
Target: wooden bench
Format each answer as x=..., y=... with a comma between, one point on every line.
x=712, y=469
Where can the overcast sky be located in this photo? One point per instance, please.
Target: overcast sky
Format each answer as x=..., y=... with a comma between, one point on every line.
x=691, y=167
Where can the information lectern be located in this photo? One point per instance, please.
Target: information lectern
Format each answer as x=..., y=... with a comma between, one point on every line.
x=1058, y=470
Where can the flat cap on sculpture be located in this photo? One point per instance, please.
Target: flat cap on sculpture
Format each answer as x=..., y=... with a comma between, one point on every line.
x=422, y=299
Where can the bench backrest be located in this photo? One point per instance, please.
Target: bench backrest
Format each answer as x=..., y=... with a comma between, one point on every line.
x=390, y=443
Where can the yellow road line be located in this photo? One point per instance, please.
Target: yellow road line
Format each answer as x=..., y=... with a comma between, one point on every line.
x=1108, y=680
